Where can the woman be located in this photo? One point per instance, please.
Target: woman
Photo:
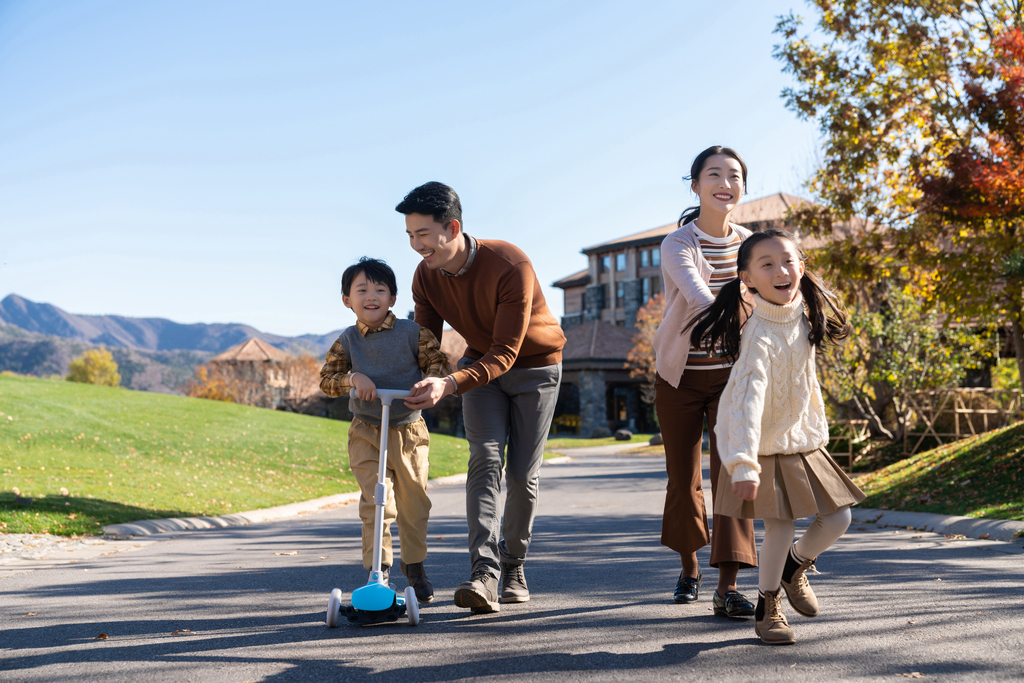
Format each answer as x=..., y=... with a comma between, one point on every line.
x=696, y=261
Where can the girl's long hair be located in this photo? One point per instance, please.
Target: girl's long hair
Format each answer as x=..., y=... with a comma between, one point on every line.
x=698, y=165
x=720, y=322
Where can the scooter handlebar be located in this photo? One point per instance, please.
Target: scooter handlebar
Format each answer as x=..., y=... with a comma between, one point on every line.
x=385, y=396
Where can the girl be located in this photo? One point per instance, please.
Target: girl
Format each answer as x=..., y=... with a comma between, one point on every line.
x=772, y=427
x=696, y=260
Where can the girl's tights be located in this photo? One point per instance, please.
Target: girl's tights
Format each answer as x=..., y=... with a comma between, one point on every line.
x=778, y=536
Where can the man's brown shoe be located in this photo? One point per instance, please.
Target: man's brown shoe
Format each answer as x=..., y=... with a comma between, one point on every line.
x=798, y=590
x=772, y=628
x=513, y=584
x=479, y=594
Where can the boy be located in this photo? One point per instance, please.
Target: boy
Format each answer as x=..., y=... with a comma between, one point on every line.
x=381, y=350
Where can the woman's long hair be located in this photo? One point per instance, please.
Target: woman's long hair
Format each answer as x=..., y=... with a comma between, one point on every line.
x=720, y=323
x=698, y=165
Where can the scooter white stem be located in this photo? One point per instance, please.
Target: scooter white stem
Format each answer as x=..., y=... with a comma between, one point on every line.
x=386, y=396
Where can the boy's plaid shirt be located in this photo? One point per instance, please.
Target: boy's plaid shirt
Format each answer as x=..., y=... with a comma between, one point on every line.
x=336, y=374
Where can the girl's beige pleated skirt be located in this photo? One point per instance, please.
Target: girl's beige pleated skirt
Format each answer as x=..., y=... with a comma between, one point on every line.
x=792, y=487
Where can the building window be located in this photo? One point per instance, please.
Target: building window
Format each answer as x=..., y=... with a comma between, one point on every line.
x=605, y=264
x=655, y=286
x=607, y=295
x=620, y=262
x=643, y=258
x=656, y=256
x=646, y=288
x=620, y=293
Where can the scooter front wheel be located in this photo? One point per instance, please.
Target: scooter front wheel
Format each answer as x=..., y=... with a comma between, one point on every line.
x=412, y=606
x=334, y=608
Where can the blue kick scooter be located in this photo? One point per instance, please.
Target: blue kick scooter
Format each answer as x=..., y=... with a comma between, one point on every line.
x=376, y=602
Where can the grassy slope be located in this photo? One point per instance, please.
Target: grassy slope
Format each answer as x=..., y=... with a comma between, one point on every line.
x=979, y=477
x=126, y=455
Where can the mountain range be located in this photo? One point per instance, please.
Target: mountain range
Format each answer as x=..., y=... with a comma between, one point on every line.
x=152, y=354
x=149, y=334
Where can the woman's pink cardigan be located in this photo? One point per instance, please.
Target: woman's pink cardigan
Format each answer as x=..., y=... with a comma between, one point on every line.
x=686, y=274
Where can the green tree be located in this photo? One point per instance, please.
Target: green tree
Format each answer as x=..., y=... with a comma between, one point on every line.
x=95, y=366
x=899, y=89
x=894, y=351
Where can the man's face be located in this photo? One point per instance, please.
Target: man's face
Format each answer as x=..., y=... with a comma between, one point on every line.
x=369, y=300
x=438, y=244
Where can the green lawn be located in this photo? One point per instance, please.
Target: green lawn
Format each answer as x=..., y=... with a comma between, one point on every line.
x=577, y=442
x=978, y=477
x=125, y=455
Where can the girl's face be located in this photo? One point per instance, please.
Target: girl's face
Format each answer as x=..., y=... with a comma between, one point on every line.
x=720, y=184
x=774, y=270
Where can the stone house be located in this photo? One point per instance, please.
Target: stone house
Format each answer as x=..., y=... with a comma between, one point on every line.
x=600, y=308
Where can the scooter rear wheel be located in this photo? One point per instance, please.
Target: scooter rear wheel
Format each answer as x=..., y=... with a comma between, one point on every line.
x=334, y=608
x=412, y=606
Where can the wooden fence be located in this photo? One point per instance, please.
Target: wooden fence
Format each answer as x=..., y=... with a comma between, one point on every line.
x=852, y=432
x=953, y=414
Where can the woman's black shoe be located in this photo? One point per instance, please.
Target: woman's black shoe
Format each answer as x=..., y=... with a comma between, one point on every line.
x=732, y=605
x=687, y=587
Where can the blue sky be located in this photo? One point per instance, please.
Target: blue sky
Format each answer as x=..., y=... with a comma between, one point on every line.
x=225, y=161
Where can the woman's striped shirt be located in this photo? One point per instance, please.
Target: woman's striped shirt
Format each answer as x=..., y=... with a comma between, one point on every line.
x=721, y=253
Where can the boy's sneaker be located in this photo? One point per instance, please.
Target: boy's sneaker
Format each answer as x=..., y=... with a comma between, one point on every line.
x=479, y=594
x=772, y=628
x=798, y=590
x=513, y=584
x=417, y=577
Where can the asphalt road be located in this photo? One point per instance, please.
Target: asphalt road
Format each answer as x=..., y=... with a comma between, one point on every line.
x=248, y=603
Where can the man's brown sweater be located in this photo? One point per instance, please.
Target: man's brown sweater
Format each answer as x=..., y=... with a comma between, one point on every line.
x=498, y=307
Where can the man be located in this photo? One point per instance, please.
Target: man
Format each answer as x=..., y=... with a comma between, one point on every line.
x=488, y=292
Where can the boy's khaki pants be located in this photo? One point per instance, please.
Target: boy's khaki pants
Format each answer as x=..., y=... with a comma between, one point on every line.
x=406, y=496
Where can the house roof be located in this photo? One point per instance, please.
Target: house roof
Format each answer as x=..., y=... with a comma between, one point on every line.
x=597, y=341
x=255, y=350
x=770, y=208
x=574, y=280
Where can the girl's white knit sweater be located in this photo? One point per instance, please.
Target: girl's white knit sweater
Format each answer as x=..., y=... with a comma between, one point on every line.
x=772, y=403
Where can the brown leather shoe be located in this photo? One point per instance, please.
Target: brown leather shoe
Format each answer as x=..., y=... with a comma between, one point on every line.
x=773, y=629
x=417, y=577
x=799, y=592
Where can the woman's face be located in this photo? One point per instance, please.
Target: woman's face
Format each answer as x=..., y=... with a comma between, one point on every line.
x=774, y=270
x=720, y=184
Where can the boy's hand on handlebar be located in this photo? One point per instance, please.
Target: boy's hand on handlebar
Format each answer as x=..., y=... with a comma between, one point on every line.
x=428, y=391
x=364, y=386
x=747, y=490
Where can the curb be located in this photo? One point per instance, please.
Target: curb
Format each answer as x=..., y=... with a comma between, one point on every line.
x=149, y=527
x=949, y=525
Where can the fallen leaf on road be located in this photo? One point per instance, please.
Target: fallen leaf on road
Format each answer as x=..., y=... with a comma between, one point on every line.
x=913, y=674
x=294, y=552
x=895, y=532
x=862, y=528
x=983, y=537
x=102, y=636
x=938, y=579
x=182, y=632
x=912, y=621
x=325, y=557
x=438, y=538
x=32, y=614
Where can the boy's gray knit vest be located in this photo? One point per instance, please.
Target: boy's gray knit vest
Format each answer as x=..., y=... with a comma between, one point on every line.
x=390, y=358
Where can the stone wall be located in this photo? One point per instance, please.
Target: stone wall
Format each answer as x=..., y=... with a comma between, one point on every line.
x=593, y=403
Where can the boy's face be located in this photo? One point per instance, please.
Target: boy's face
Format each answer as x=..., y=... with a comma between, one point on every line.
x=438, y=244
x=370, y=301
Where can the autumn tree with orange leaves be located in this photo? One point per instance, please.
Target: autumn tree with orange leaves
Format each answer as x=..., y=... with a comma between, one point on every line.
x=640, y=359
x=919, y=184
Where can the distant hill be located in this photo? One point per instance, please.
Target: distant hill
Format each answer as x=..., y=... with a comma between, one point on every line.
x=30, y=353
x=150, y=334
